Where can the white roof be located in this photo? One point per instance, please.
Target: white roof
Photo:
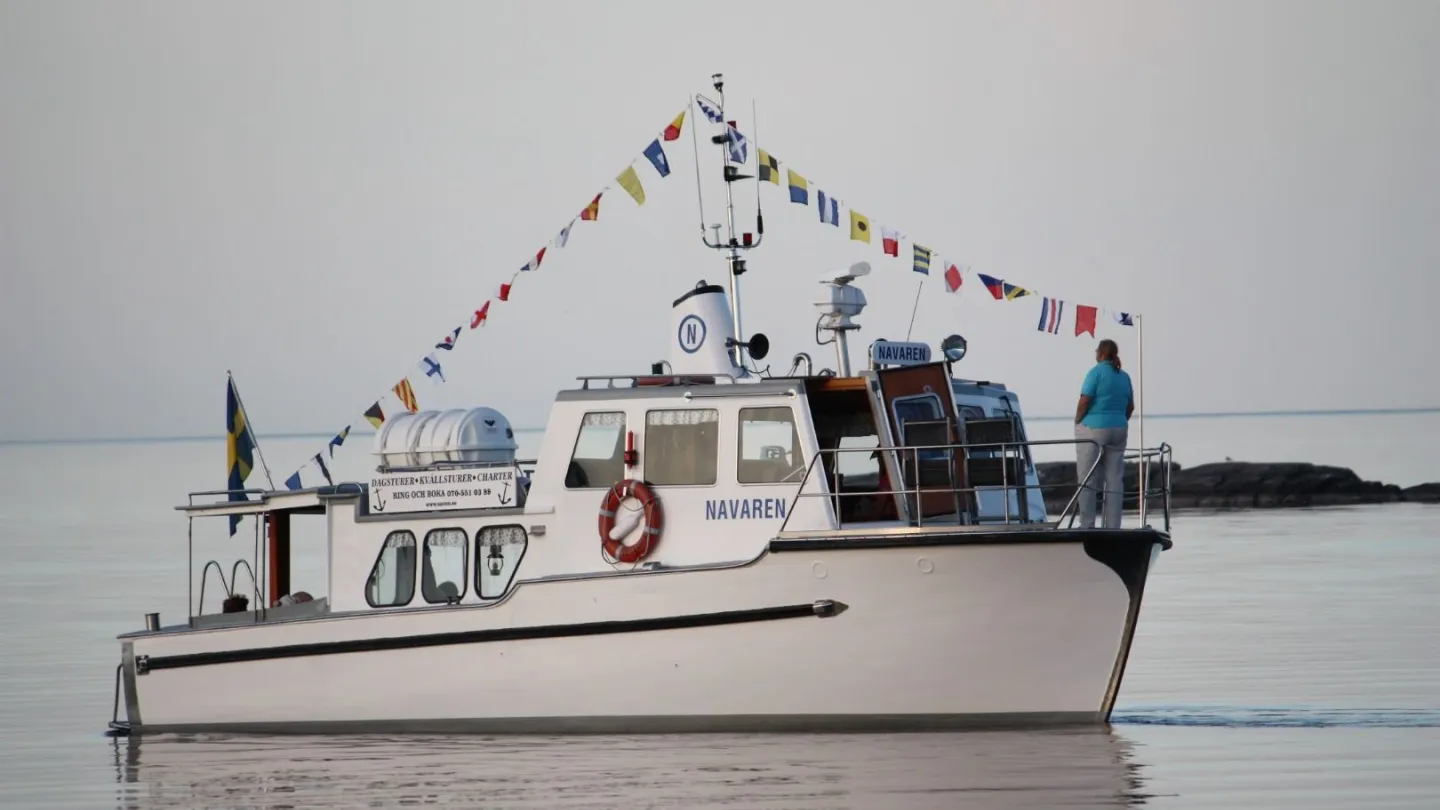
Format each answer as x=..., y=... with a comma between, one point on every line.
x=285, y=499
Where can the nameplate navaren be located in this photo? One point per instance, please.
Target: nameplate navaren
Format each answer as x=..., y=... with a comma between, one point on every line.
x=888, y=353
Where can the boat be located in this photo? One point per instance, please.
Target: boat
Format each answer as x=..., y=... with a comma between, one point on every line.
x=696, y=547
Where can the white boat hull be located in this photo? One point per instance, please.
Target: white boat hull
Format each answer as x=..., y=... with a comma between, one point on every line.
x=929, y=631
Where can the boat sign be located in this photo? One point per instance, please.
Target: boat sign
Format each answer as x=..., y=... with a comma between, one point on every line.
x=427, y=490
x=888, y=353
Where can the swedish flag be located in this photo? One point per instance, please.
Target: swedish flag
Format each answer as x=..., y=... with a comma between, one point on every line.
x=239, y=448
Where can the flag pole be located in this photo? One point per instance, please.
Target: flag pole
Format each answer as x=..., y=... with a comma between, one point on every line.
x=915, y=308
x=1140, y=406
x=249, y=428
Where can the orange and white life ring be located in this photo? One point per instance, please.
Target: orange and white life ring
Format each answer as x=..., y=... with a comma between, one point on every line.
x=614, y=546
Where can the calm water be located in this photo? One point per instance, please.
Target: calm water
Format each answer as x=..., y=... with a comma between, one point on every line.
x=1283, y=659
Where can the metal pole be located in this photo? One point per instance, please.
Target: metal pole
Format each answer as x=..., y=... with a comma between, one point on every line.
x=916, y=308
x=1140, y=407
x=842, y=352
x=739, y=351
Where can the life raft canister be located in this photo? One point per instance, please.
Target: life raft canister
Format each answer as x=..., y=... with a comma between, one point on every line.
x=615, y=549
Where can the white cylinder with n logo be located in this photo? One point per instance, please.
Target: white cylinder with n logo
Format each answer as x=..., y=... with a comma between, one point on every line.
x=700, y=333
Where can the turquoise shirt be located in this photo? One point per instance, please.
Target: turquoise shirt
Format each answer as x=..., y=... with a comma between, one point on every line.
x=1110, y=394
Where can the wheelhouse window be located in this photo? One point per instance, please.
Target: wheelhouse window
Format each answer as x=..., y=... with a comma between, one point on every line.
x=598, y=460
x=769, y=446
x=968, y=412
x=498, y=552
x=918, y=408
x=442, y=571
x=392, y=578
x=681, y=446
x=922, y=422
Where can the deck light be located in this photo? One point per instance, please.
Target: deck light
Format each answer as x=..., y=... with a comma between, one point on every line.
x=953, y=348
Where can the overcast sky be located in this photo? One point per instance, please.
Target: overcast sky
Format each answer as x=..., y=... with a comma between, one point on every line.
x=312, y=195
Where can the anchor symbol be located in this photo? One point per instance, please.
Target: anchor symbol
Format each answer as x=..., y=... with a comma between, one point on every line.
x=505, y=493
x=377, y=502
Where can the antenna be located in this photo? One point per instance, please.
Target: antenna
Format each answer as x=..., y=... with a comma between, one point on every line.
x=732, y=146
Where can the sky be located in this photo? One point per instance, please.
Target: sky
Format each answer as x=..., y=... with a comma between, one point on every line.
x=312, y=195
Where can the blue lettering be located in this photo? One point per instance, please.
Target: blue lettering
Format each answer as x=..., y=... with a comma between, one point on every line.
x=746, y=509
x=901, y=353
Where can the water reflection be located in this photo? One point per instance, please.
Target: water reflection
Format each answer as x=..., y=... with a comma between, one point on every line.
x=1082, y=768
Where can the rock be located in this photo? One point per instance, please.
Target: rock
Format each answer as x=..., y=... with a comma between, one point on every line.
x=1242, y=485
x=1424, y=493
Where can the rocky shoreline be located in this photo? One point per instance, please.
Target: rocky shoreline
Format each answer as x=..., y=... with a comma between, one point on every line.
x=1244, y=485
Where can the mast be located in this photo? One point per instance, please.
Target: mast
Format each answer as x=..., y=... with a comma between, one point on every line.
x=1140, y=406
x=732, y=245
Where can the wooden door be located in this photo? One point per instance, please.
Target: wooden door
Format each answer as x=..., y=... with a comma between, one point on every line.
x=917, y=407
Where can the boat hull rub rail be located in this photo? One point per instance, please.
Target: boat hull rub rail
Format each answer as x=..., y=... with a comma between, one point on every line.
x=823, y=608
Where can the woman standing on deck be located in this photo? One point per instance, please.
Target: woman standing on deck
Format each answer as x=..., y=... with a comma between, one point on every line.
x=1103, y=417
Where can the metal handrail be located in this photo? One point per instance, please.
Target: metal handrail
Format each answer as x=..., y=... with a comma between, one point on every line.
x=1006, y=486
x=448, y=464
x=254, y=583
x=676, y=379
x=227, y=493
x=204, y=575
x=1143, y=459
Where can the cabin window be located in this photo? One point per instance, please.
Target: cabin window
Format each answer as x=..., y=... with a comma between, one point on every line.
x=498, y=552
x=392, y=579
x=919, y=408
x=922, y=422
x=921, y=419
x=681, y=446
x=769, y=446
x=599, y=457
x=442, y=572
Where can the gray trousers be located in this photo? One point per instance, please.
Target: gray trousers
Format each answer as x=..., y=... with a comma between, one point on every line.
x=1109, y=476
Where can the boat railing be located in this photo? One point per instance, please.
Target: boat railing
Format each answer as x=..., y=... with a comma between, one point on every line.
x=224, y=496
x=1146, y=460
x=610, y=380
x=454, y=464
x=227, y=585
x=932, y=492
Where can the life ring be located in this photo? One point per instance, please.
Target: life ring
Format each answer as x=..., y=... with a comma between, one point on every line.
x=615, y=548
